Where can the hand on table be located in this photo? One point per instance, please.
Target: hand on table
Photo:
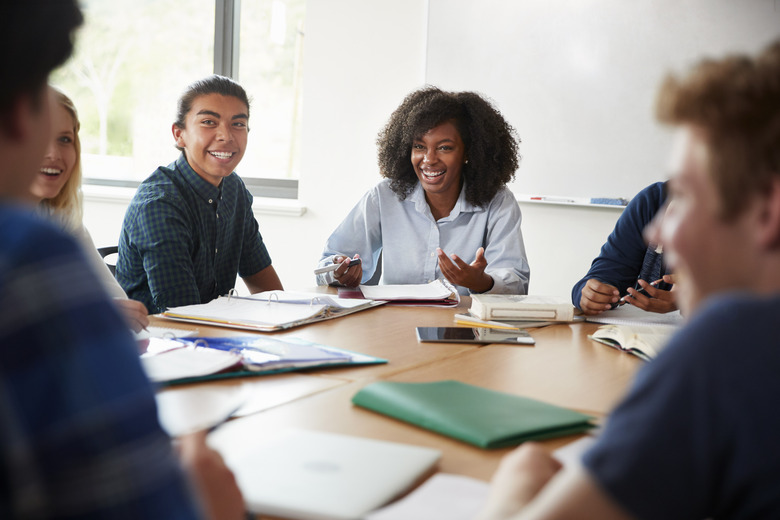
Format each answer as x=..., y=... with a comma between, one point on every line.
x=598, y=297
x=134, y=312
x=214, y=483
x=471, y=276
x=519, y=478
x=346, y=274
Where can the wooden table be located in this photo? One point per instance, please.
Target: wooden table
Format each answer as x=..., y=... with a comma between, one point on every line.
x=563, y=368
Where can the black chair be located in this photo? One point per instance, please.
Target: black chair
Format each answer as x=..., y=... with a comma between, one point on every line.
x=108, y=251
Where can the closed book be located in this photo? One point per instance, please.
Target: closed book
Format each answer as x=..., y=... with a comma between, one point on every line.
x=521, y=307
x=472, y=414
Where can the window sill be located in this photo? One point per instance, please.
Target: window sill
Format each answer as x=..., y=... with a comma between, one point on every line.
x=265, y=206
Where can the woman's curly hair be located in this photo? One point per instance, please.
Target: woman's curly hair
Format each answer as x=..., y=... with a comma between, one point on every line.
x=490, y=142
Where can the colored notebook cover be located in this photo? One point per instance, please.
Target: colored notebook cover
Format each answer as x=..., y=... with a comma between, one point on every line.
x=472, y=414
x=187, y=360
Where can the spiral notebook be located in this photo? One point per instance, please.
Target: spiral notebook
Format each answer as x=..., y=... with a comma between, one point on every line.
x=268, y=311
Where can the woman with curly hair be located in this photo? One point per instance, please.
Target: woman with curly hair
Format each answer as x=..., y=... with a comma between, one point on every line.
x=443, y=209
x=57, y=189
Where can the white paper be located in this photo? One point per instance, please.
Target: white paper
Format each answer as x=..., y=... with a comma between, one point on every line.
x=435, y=290
x=249, y=311
x=184, y=410
x=630, y=315
x=153, y=332
x=310, y=297
x=180, y=363
x=444, y=495
x=457, y=497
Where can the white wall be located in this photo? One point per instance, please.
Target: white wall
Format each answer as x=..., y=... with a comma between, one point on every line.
x=361, y=59
x=578, y=78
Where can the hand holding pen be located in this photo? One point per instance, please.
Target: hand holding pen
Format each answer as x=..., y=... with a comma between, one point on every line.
x=346, y=271
x=650, y=298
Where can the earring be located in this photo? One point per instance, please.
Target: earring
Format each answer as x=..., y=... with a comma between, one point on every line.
x=466, y=162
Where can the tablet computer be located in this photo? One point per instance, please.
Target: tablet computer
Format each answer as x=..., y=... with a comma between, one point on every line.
x=479, y=335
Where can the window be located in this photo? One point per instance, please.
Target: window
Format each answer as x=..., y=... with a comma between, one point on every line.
x=133, y=59
x=270, y=68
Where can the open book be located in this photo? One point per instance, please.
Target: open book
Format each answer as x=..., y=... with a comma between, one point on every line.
x=187, y=360
x=269, y=311
x=643, y=341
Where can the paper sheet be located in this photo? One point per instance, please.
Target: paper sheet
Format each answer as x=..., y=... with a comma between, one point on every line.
x=444, y=495
x=435, y=290
x=630, y=315
x=457, y=497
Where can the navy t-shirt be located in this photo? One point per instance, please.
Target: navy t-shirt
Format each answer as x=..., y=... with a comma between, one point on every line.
x=698, y=436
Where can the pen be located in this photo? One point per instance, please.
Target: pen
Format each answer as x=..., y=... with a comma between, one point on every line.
x=640, y=291
x=463, y=319
x=333, y=267
x=554, y=199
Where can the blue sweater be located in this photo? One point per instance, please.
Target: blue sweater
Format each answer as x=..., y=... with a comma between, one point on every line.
x=626, y=256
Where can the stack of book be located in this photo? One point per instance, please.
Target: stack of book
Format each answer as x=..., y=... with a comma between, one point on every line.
x=512, y=311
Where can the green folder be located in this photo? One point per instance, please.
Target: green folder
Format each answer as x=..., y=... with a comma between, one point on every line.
x=472, y=414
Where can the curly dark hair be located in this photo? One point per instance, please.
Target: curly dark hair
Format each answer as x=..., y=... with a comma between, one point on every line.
x=490, y=142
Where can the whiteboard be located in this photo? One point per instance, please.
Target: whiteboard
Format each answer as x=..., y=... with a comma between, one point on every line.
x=578, y=78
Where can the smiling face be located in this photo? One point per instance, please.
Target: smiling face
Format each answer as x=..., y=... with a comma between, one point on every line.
x=61, y=155
x=214, y=136
x=437, y=158
x=710, y=254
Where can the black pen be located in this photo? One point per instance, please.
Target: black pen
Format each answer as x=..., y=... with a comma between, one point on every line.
x=641, y=291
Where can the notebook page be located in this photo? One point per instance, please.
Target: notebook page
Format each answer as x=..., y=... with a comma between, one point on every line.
x=630, y=315
x=444, y=495
x=435, y=290
x=243, y=310
x=309, y=297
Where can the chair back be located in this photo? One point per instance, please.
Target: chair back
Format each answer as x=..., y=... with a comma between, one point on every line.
x=106, y=252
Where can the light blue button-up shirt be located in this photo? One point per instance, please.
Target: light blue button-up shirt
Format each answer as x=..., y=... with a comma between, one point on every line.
x=407, y=235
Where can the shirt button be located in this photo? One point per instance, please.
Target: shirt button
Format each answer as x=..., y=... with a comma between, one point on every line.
x=216, y=251
x=433, y=254
x=210, y=201
x=217, y=215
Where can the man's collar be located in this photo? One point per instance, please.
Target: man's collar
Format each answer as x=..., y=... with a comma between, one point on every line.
x=202, y=187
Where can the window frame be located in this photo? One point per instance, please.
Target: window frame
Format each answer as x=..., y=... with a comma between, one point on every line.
x=227, y=32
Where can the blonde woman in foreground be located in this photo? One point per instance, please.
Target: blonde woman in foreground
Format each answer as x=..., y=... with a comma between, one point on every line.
x=57, y=190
